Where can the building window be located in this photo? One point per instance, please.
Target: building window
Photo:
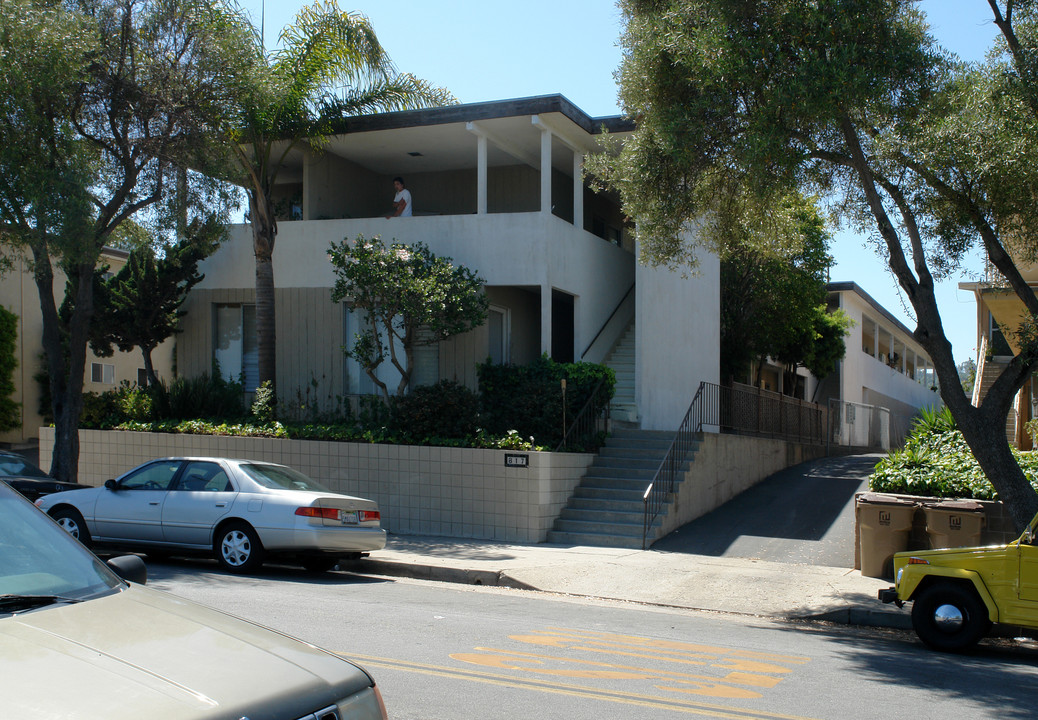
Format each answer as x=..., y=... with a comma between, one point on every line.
x=235, y=350
x=142, y=377
x=102, y=373
x=499, y=326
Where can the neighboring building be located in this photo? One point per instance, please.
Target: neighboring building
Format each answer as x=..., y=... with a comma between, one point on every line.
x=19, y=295
x=884, y=367
x=499, y=188
x=999, y=313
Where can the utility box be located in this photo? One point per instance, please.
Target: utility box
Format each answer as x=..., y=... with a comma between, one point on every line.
x=885, y=522
x=954, y=523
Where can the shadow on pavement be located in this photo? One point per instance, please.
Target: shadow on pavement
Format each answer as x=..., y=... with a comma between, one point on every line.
x=200, y=570
x=450, y=548
x=998, y=674
x=803, y=514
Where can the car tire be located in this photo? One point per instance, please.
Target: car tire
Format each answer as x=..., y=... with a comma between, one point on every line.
x=237, y=548
x=319, y=564
x=72, y=522
x=949, y=617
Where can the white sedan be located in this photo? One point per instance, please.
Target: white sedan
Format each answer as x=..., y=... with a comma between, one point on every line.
x=241, y=511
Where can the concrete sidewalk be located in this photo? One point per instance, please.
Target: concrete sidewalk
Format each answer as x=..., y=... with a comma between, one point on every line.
x=697, y=582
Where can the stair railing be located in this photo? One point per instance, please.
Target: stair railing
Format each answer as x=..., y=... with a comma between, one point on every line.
x=662, y=484
x=608, y=319
x=582, y=432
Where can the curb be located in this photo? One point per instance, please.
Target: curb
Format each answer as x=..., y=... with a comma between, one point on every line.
x=864, y=617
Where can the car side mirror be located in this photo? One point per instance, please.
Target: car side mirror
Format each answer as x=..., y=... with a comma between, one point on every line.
x=130, y=568
x=111, y=485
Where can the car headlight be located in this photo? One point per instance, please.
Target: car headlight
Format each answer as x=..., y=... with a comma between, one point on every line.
x=897, y=582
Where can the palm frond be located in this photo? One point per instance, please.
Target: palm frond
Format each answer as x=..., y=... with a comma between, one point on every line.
x=402, y=92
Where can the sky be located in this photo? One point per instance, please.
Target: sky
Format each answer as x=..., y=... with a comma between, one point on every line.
x=484, y=51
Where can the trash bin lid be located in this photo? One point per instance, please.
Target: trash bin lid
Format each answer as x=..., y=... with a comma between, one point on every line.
x=955, y=505
x=872, y=498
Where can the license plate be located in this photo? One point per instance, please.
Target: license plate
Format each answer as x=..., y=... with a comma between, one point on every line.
x=347, y=518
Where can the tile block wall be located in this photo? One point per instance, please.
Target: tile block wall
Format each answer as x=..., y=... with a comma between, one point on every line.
x=453, y=492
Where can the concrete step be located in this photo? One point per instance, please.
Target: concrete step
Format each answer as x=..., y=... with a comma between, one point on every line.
x=611, y=494
x=625, y=461
x=605, y=505
x=627, y=529
x=603, y=517
x=594, y=539
x=609, y=477
x=625, y=452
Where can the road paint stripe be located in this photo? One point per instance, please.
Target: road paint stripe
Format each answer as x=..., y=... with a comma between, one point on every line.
x=616, y=696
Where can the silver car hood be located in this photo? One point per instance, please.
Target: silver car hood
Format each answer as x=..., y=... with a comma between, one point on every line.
x=142, y=653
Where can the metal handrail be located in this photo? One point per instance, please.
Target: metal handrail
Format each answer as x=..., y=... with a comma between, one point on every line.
x=602, y=329
x=585, y=423
x=744, y=410
x=662, y=484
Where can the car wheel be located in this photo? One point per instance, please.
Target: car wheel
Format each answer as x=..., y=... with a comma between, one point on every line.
x=949, y=617
x=238, y=549
x=318, y=564
x=73, y=523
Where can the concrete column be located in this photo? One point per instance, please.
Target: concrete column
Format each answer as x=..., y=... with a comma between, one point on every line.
x=481, y=175
x=578, y=191
x=546, y=171
x=546, y=319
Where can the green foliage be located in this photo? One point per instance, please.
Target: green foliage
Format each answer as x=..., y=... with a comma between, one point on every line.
x=136, y=403
x=264, y=405
x=100, y=410
x=773, y=301
x=443, y=410
x=936, y=462
x=204, y=396
x=411, y=298
x=139, y=307
x=9, y=416
x=528, y=398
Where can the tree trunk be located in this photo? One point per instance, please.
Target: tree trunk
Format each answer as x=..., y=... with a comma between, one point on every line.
x=264, y=230
x=149, y=367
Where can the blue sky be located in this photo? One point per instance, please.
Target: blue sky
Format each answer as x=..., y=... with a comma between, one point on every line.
x=494, y=51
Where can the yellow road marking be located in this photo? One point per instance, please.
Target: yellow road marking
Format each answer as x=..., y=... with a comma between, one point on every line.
x=616, y=696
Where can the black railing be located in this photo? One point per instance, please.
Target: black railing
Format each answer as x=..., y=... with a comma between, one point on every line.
x=611, y=316
x=738, y=409
x=662, y=484
x=588, y=429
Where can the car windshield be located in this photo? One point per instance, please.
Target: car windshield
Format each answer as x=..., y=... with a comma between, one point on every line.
x=14, y=466
x=39, y=558
x=279, y=477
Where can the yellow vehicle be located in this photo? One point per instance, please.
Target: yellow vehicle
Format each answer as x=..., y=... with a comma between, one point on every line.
x=958, y=593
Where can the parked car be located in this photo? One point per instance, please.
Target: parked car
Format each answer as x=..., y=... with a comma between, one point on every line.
x=241, y=511
x=957, y=593
x=123, y=651
x=28, y=479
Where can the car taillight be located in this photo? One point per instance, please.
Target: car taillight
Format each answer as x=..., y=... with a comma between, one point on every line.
x=368, y=515
x=319, y=512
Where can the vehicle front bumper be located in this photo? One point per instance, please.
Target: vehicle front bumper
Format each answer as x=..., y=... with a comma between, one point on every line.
x=889, y=595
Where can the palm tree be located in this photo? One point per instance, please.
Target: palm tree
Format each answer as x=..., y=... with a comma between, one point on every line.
x=330, y=65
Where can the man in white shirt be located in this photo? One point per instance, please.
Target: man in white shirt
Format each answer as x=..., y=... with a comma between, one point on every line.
x=402, y=201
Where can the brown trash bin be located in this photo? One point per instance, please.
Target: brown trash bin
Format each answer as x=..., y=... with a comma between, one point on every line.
x=884, y=523
x=954, y=523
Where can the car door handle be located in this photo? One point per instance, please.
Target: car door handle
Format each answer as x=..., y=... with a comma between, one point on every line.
x=221, y=504
x=153, y=502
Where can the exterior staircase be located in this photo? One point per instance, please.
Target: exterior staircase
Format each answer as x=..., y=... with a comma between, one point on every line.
x=607, y=508
x=988, y=372
x=621, y=359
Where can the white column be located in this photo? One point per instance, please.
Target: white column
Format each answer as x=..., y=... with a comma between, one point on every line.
x=546, y=319
x=578, y=190
x=546, y=171
x=481, y=175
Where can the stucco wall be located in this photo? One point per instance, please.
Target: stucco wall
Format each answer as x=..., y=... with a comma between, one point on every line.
x=455, y=492
x=726, y=465
x=678, y=330
x=19, y=295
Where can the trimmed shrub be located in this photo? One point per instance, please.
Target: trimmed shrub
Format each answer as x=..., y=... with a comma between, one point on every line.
x=9, y=416
x=528, y=398
x=443, y=410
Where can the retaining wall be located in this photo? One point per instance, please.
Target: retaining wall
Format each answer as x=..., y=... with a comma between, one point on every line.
x=455, y=492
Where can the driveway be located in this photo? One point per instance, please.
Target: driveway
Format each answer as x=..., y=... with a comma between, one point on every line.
x=804, y=514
